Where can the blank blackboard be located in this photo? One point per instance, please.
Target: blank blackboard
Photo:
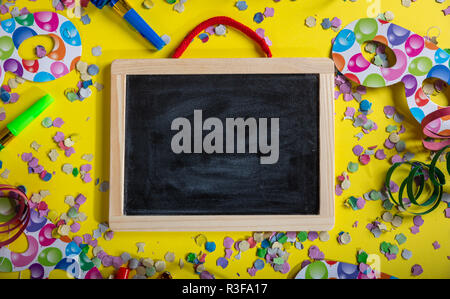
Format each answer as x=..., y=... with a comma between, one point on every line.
x=157, y=183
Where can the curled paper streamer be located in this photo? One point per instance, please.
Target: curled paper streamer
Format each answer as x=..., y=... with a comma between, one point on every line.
x=416, y=177
x=57, y=63
x=416, y=60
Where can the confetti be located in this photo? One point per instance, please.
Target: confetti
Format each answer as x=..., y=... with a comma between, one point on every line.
x=344, y=238
x=179, y=7
x=96, y=51
x=241, y=5
x=148, y=4
x=436, y=245
x=222, y=262
x=210, y=246
x=257, y=18
x=140, y=246
x=416, y=270
x=269, y=12
x=326, y=23
x=310, y=21
x=220, y=30
x=352, y=167
x=170, y=257
x=400, y=238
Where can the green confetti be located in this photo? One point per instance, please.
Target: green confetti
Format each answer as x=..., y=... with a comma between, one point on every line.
x=391, y=128
x=352, y=167
x=401, y=238
x=374, y=195
x=362, y=256
x=302, y=236
x=47, y=122
x=261, y=252
x=191, y=257
x=283, y=239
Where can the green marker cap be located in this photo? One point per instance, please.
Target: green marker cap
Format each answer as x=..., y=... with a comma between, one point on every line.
x=23, y=120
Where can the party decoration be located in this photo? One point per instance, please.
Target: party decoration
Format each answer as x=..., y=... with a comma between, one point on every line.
x=416, y=60
x=45, y=253
x=326, y=269
x=57, y=63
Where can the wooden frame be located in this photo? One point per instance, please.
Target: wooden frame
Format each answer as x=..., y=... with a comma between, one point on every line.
x=322, y=222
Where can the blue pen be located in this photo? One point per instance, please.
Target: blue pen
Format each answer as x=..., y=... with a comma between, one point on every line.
x=128, y=13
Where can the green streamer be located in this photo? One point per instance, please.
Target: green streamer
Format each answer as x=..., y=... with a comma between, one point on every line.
x=436, y=177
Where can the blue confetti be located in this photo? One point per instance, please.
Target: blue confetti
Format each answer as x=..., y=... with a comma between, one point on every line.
x=259, y=17
x=241, y=5
x=210, y=246
x=326, y=23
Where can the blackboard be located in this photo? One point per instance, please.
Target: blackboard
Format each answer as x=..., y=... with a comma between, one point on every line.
x=163, y=175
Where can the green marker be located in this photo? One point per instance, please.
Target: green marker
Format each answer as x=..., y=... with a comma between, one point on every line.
x=22, y=121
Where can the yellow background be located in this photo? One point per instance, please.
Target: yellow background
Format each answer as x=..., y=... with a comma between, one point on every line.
x=291, y=38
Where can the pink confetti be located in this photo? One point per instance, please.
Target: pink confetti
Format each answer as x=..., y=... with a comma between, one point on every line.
x=285, y=268
x=33, y=162
x=396, y=159
x=418, y=221
x=109, y=235
x=206, y=275
x=436, y=245
x=416, y=270
x=228, y=253
x=447, y=213
x=58, y=122
x=269, y=12
x=14, y=98
x=357, y=150
x=260, y=32
x=75, y=227
x=26, y=157
x=361, y=89
x=348, y=97
x=2, y=116
x=338, y=190
x=360, y=203
x=59, y=136
x=228, y=242
x=315, y=253
x=222, y=262
x=389, y=111
x=3, y=9
x=86, y=167
x=393, y=187
x=69, y=151
x=364, y=159
x=210, y=30
x=336, y=22
x=87, y=178
x=80, y=199
x=414, y=229
x=107, y=261
x=268, y=41
x=350, y=111
x=252, y=271
x=312, y=235
x=380, y=155
x=337, y=93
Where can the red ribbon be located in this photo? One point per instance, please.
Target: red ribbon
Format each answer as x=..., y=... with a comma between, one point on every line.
x=20, y=220
x=431, y=145
x=224, y=21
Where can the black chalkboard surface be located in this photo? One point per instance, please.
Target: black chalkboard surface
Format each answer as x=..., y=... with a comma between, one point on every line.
x=235, y=144
x=159, y=181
